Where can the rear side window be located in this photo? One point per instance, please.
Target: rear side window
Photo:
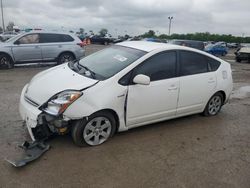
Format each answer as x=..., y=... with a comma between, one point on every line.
x=192, y=63
x=160, y=66
x=67, y=38
x=51, y=38
x=213, y=64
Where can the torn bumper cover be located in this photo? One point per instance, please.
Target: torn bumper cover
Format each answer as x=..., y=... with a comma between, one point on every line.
x=41, y=126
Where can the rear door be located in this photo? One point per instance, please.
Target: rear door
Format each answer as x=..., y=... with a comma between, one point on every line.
x=53, y=44
x=197, y=83
x=27, y=48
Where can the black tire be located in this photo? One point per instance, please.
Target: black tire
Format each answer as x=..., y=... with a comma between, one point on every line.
x=65, y=57
x=79, y=128
x=238, y=59
x=214, y=105
x=6, y=62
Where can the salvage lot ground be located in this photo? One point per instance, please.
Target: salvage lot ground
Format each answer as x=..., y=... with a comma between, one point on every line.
x=193, y=151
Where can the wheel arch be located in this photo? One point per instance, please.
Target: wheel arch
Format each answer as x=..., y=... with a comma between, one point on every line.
x=67, y=51
x=223, y=94
x=114, y=113
x=5, y=53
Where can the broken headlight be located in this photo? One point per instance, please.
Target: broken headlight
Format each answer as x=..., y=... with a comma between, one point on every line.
x=60, y=102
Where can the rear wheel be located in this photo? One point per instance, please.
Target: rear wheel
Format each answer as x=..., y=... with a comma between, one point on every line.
x=6, y=62
x=96, y=130
x=65, y=57
x=214, y=105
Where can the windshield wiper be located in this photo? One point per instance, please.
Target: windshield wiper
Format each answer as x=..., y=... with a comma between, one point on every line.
x=87, y=69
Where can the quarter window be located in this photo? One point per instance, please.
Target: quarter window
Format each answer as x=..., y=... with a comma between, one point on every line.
x=158, y=67
x=29, y=39
x=192, y=63
x=214, y=64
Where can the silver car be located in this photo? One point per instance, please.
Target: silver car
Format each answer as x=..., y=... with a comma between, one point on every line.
x=40, y=47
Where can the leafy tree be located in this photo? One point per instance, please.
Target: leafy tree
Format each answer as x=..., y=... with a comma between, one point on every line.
x=103, y=32
x=148, y=34
x=10, y=26
x=81, y=31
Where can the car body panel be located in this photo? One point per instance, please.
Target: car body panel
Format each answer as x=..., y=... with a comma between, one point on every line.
x=52, y=81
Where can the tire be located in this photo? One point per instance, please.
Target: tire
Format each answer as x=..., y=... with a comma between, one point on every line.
x=96, y=130
x=238, y=59
x=65, y=57
x=214, y=105
x=105, y=43
x=6, y=62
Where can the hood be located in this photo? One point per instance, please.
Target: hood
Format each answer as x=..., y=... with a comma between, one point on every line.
x=52, y=81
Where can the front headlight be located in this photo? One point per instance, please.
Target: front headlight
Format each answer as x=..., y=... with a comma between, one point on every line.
x=60, y=102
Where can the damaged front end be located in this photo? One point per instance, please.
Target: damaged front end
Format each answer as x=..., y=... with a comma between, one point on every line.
x=47, y=126
x=43, y=121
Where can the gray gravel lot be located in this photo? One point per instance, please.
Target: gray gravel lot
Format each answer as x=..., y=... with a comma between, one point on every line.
x=193, y=151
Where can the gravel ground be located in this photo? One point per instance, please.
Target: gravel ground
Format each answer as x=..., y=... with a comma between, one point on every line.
x=193, y=151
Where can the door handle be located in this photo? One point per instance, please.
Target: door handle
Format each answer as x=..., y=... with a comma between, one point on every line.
x=172, y=88
x=211, y=80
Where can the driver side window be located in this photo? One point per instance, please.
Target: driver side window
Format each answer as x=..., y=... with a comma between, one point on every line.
x=29, y=39
x=158, y=67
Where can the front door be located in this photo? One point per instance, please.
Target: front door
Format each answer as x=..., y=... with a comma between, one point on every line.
x=158, y=100
x=27, y=48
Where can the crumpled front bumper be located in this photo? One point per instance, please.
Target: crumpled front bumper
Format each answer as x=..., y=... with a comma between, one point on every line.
x=29, y=113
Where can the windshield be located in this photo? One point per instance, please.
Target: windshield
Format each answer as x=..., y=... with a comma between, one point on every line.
x=13, y=38
x=106, y=63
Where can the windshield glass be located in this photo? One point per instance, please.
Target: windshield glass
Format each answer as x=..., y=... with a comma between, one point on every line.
x=106, y=63
x=13, y=38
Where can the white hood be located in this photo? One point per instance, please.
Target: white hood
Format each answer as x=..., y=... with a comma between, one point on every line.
x=52, y=81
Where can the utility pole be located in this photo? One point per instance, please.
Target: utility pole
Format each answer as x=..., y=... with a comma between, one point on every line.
x=2, y=15
x=169, y=27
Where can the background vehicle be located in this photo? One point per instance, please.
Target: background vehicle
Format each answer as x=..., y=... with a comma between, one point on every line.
x=189, y=43
x=243, y=54
x=125, y=86
x=40, y=47
x=100, y=40
x=7, y=35
x=216, y=49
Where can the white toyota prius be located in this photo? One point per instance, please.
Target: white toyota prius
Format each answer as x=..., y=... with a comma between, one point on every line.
x=121, y=87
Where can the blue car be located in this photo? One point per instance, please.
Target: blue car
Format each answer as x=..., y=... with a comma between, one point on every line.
x=216, y=49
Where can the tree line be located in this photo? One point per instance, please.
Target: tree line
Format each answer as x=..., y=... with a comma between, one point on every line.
x=199, y=36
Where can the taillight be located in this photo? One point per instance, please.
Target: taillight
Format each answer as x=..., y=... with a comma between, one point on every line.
x=81, y=44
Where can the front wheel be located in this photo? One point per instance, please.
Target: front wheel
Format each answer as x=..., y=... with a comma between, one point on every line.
x=214, y=105
x=96, y=130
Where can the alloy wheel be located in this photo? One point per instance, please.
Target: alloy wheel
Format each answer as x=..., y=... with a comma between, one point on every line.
x=214, y=105
x=97, y=131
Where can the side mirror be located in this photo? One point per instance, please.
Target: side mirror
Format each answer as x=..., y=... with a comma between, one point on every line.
x=141, y=79
x=17, y=42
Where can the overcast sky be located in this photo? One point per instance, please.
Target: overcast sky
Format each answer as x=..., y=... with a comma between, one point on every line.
x=132, y=16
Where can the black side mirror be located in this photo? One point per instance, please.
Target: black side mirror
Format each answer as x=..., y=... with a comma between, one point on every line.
x=17, y=42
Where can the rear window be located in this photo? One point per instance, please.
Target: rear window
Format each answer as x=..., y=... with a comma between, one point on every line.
x=51, y=38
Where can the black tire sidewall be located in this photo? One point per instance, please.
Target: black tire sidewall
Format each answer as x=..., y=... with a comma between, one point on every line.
x=11, y=64
x=59, y=61
x=79, y=126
